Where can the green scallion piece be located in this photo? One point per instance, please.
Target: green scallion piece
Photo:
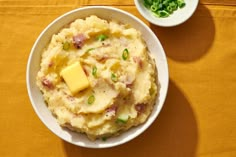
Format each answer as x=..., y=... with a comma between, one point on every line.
x=66, y=45
x=174, y=6
x=180, y=3
x=154, y=7
x=91, y=99
x=94, y=71
x=165, y=3
x=104, y=139
x=102, y=37
x=114, y=77
x=122, y=119
x=169, y=9
x=163, y=8
x=148, y=2
x=125, y=54
x=160, y=6
x=90, y=49
x=162, y=13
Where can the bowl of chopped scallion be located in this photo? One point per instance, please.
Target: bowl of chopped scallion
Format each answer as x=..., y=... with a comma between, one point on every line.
x=166, y=13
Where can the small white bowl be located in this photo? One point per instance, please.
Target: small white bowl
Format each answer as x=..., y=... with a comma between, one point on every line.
x=178, y=17
x=33, y=66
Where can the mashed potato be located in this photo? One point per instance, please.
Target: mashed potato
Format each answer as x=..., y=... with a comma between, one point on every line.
x=122, y=77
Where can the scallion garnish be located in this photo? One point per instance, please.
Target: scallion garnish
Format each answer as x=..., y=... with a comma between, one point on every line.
x=122, y=119
x=94, y=71
x=66, y=45
x=102, y=37
x=104, y=138
x=114, y=77
x=125, y=54
x=91, y=99
x=163, y=8
x=181, y=3
x=90, y=49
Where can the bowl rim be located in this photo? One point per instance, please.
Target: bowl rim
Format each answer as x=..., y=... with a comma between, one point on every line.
x=29, y=62
x=147, y=16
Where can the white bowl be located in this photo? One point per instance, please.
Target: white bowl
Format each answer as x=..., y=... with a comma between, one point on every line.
x=33, y=66
x=178, y=17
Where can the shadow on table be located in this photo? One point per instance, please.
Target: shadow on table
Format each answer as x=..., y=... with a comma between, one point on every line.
x=190, y=40
x=173, y=134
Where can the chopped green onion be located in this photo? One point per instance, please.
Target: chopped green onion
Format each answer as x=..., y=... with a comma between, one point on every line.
x=90, y=49
x=165, y=3
x=125, y=54
x=104, y=138
x=163, y=8
x=122, y=119
x=147, y=2
x=66, y=45
x=174, y=6
x=160, y=6
x=154, y=7
x=163, y=13
x=180, y=3
x=114, y=77
x=94, y=71
x=171, y=4
x=169, y=9
x=91, y=99
x=102, y=37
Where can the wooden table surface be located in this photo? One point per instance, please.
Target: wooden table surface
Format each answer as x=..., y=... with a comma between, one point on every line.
x=198, y=118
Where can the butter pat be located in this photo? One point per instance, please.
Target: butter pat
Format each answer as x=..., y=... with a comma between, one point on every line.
x=75, y=77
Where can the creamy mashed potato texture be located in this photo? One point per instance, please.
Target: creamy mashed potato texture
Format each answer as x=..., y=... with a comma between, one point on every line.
x=122, y=77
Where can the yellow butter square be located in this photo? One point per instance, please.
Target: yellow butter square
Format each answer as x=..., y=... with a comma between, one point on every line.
x=75, y=77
